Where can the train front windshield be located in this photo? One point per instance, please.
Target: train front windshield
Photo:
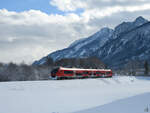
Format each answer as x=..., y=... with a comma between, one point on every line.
x=54, y=71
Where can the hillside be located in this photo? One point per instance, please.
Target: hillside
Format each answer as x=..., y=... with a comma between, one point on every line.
x=81, y=48
x=128, y=41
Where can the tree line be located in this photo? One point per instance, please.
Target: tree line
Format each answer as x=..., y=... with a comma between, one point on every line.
x=134, y=68
x=24, y=72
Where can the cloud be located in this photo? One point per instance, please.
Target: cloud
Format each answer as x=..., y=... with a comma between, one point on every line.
x=72, y=5
x=30, y=35
x=23, y=34
x=108, y=11
x=68, y=5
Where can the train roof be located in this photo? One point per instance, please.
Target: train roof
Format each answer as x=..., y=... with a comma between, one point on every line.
x=84, y=69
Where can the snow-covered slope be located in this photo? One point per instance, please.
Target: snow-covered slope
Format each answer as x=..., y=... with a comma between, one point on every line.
x=128, y=46
x=77, y=41
x=128, y=41
x=83, y=47
x=127, y=26
x=136, y=104
x=66, y=96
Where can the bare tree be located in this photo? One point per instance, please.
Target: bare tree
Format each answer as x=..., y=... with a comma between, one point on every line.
x=132, y=67
x=146, y=68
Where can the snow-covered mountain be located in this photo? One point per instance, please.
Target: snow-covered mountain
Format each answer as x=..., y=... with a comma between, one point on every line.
x=127, y=26
x=129, y=40
x=83, y=47
x=129, y=45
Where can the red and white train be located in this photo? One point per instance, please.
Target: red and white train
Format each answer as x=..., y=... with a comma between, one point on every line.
x=64, y=73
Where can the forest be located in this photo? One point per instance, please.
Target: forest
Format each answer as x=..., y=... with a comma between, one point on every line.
x=26, y=72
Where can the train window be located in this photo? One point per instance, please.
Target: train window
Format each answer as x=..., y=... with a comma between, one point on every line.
x=85, y=72
x=54, y=71
x=108, y=72
x=68, y=72
x=78, y=73
x=99, y=72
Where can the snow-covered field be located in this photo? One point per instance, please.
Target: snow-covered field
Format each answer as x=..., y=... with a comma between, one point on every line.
x=135, y=104
x=102, y=95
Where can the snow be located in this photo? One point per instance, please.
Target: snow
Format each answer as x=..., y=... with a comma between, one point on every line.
x=76, y=42
x=110, y=49
x=65, y=96
x=103, y=35
x=82, y=52
x=135, y=104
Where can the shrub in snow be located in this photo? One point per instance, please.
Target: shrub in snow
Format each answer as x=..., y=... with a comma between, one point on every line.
x=146, y=109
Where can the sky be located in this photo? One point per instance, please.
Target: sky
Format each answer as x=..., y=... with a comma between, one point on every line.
x=31, y=29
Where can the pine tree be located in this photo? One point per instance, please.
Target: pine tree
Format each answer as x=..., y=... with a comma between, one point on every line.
x=146, y=67
x=49, y=61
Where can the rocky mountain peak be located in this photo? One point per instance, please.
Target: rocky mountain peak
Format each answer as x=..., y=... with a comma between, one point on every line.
x=105, y=30
x=127, y=26
x=140, y=20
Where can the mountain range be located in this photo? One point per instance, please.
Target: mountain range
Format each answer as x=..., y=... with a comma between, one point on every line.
x=115, y=47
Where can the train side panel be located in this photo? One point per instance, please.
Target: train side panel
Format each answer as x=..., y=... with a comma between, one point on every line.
x=80, y=73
